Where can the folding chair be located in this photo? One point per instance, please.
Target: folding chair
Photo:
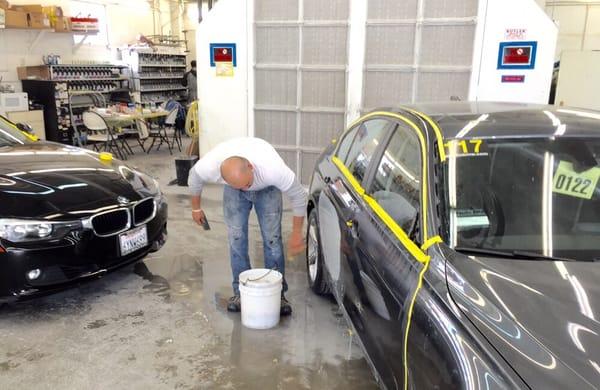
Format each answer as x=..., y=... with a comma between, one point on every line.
x=142, y=132
x=102, y=134
x=170, y=125
x=160, y=133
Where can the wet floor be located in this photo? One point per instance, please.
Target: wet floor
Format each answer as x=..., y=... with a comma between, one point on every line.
x=162, y=324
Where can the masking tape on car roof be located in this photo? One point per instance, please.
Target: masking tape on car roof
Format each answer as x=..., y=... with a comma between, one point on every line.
x=436, y=129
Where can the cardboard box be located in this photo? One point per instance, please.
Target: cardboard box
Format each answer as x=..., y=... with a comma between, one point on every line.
x=40, y=72
x=4, y=4
x=62, y=24
x=32, y=8
x=15, y=19
x=38, y=20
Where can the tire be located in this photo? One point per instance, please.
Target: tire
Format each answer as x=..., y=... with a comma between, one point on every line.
x=314, y=257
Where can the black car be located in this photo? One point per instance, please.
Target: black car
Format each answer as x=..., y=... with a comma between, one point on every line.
x=462, y=242
x=68, y=214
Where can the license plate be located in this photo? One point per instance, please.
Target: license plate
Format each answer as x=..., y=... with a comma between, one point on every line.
x=133, y=240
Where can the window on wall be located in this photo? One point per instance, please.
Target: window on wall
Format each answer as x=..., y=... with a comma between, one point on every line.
x=83, y=9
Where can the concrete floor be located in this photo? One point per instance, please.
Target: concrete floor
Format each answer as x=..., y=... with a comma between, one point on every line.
x=163, y=324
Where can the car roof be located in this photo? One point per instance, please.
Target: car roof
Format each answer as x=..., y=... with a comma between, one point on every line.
x=507, y=120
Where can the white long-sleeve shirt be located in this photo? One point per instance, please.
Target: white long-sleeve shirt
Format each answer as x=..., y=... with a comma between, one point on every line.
x=269, y=170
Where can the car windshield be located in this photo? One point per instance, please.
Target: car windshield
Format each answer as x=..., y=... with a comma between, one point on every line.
x=534, y=196
x=10, y=135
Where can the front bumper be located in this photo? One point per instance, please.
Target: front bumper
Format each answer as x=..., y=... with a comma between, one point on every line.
x=79, y=257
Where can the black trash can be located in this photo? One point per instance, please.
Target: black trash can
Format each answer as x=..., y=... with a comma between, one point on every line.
x=183, y=165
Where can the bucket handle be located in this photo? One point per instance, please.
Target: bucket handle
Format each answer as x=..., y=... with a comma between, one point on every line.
x=257, y=279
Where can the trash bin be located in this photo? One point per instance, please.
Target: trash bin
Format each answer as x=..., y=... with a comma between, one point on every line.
x=183, y=165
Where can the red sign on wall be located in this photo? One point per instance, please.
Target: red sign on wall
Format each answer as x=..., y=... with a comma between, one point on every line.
x=517, y=55
x=222, y=54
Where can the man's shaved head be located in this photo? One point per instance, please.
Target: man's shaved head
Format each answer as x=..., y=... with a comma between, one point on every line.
x=237, y=172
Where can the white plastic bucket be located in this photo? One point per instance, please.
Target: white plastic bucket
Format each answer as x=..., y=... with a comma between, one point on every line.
x=260, y=293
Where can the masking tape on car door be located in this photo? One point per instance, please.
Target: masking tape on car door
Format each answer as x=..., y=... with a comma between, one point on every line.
x=353, y=182
x=423, y=144
x=382, y=214
x=432, y=241
x=417, y=252
x=409, y=320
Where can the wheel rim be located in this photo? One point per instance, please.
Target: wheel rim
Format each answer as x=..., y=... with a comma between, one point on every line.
x=313, y=251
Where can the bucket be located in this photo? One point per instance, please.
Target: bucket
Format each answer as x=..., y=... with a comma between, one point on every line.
x=183, y=165
x=260, y=293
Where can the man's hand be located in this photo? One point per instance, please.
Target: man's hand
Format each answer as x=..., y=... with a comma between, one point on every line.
x=296, y=244
x=198, y=217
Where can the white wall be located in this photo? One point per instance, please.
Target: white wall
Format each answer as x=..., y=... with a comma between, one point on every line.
x=127, y=19
x=579, y=24
x=224, y=101
x=190, y=23
x=498, y=16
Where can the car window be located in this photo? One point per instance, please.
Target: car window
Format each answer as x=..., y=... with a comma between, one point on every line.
x=345, y=144
x=531, y=195
x=396, y=185
x=369, y=135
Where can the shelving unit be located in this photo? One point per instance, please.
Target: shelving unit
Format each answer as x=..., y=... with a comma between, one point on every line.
x=157, y=75
x=52, y=85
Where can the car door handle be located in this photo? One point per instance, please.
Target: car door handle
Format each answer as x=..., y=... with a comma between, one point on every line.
x=353, y=227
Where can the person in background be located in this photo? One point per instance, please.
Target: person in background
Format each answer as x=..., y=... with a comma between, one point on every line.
x=189, y=81
x=254, y=175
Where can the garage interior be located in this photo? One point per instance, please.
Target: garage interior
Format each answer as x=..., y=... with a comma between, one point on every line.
x=301, y=72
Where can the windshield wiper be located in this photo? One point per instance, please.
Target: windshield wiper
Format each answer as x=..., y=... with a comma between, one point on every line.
x=511, y=254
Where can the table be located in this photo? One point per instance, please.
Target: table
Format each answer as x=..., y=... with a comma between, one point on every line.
x=116, y=121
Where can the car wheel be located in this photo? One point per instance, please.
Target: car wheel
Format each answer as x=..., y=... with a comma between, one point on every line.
x=314, y=257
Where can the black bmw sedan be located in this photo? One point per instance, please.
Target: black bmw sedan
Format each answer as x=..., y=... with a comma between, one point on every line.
x=68, y=215
x=462, y=242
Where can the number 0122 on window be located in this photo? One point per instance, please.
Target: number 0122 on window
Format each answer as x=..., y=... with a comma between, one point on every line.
x=577, y=184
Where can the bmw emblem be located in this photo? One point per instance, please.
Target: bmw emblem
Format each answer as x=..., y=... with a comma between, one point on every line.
x=123, y=201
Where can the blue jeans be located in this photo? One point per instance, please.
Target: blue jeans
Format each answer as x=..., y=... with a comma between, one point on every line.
x=236, y=209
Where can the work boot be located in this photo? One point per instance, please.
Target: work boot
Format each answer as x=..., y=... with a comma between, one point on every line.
x=286, y=308
x=234, y=305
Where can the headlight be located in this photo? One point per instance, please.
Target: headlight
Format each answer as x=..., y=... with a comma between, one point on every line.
x=145, y=184
x=151, y=186
x=20, y=230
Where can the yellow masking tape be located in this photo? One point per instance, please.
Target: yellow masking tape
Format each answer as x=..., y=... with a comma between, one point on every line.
x=382, y=214
x=353, y=182
x=397, y=230
x=432, y=241
x=436, y=129
x=409, y=320
x=423, y=156
x=417, y=253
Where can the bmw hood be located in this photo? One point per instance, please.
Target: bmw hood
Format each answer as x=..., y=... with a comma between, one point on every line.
x=542, y=316
x=52, y=181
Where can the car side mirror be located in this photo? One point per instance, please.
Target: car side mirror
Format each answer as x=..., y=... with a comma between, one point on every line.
x=25, y=127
